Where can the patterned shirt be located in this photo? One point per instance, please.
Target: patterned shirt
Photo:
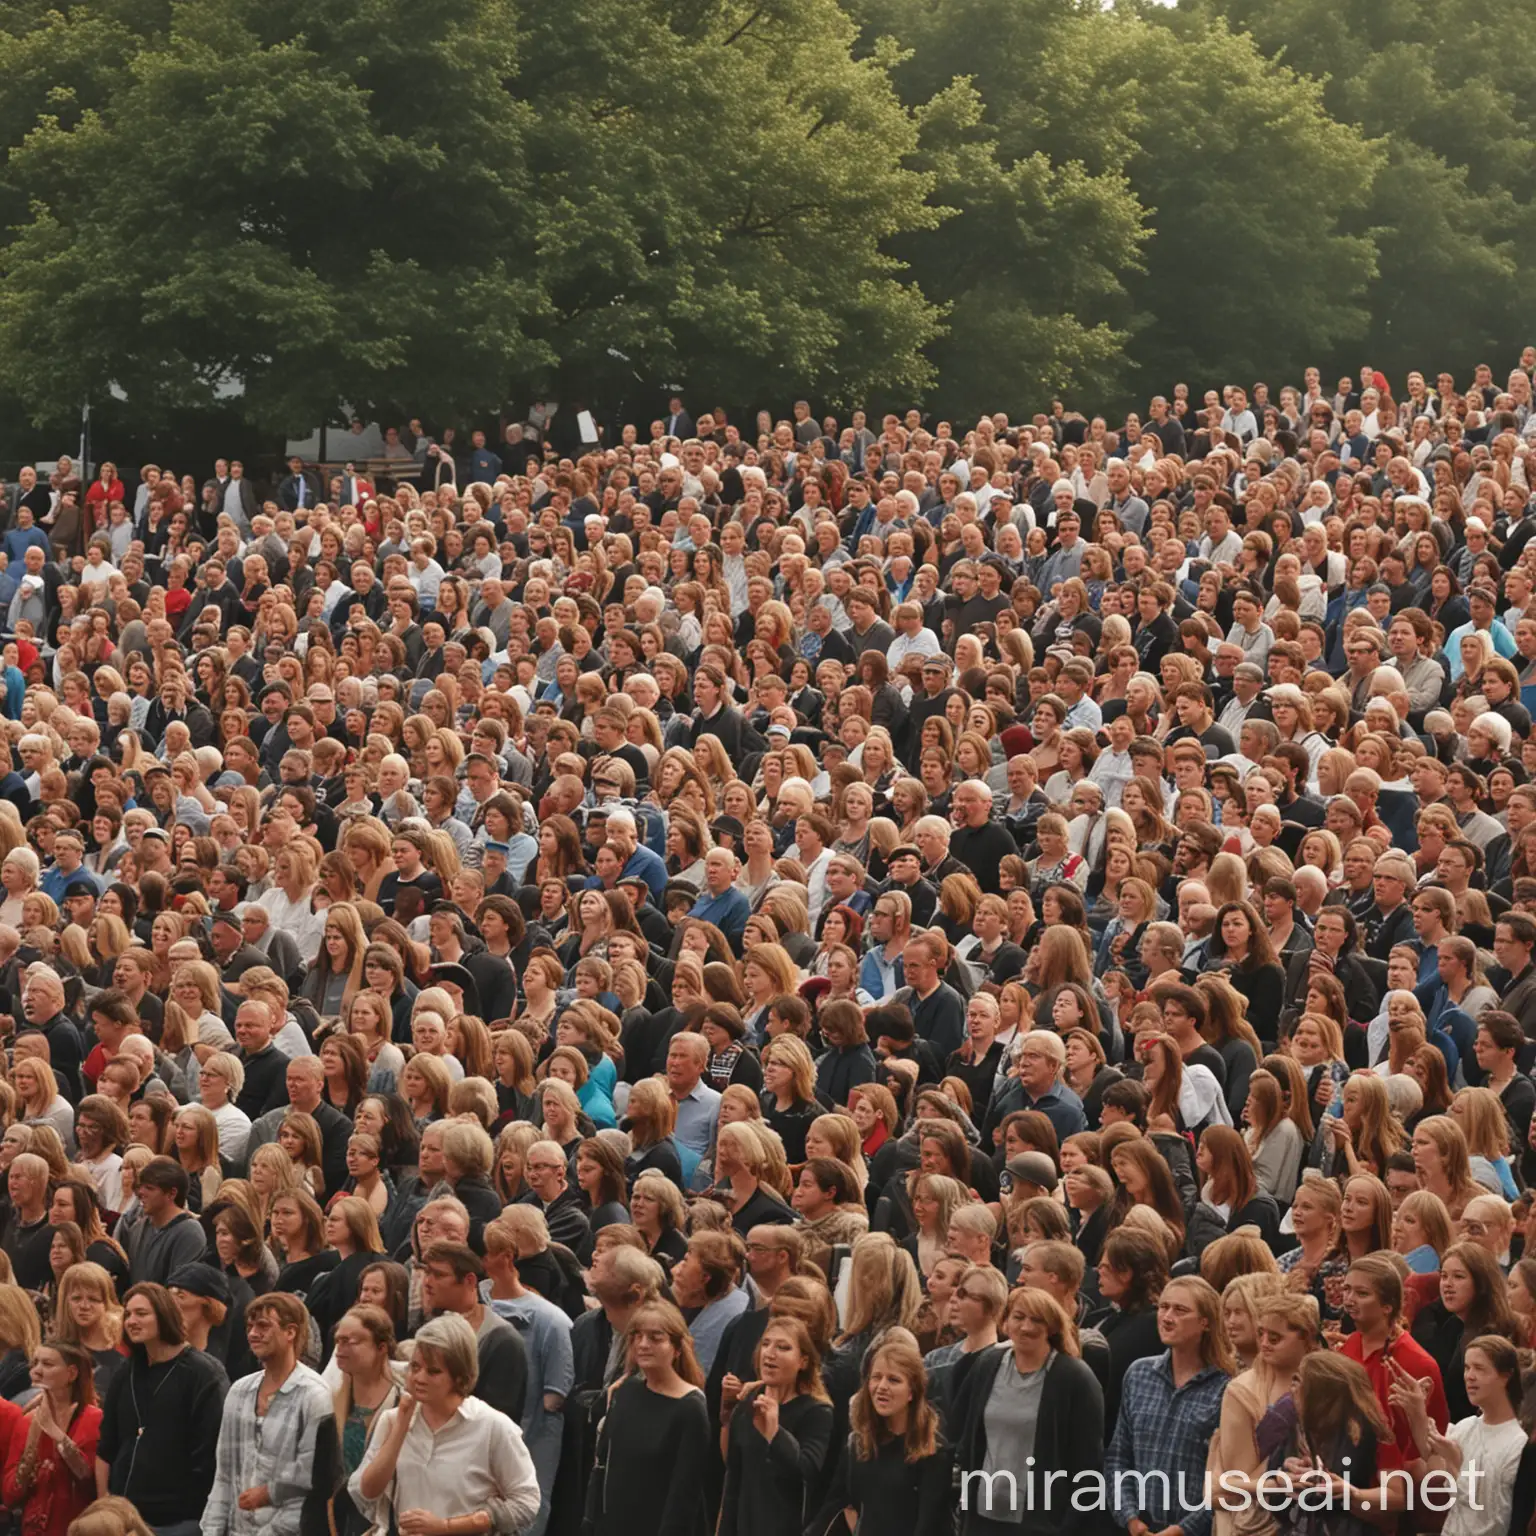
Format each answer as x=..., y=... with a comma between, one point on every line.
x=275, y=1451
x=1155, y=1464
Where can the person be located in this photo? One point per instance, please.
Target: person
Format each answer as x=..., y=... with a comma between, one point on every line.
x=443, y=1462
x=161, y=1421
x=1033, y=1399
x=169, y=1236
x=896, y=1470
x=1482, y=1451
x=277, y=1453
x=50, y=1459
x=451, y=1274
x=364, y=1359
x=654, y=1443
x=1170, y=1407
x=778, y=1436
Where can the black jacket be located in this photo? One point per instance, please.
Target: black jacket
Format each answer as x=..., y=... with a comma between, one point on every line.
x=1069, y=1432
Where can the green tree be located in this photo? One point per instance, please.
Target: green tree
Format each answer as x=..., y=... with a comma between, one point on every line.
x=1446, y=86
x=384, y=204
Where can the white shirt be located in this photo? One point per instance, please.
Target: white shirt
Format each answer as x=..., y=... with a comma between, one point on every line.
x=923, y=643
x=234, y=1127
x=297, y=919
x=476, y=1461
x=1482, y=1509
x=816, y=884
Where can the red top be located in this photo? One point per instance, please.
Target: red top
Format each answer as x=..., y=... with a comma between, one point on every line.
x=99, y=492
x=1417, y=1361
x=57, y=1496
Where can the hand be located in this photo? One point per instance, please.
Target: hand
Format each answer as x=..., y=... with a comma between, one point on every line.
x=405, y=1411
x=420, y=1522
x=765, y=1412
x=730, y=1391
x=1333, y=1337
x=254, y=1498
x=1338, y=1129
x=1322, y=1095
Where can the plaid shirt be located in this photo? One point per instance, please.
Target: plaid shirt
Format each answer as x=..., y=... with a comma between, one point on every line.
x=1164, y=1432
x=276, y=1452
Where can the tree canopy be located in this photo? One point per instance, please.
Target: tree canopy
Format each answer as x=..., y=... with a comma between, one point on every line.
x=972, y=202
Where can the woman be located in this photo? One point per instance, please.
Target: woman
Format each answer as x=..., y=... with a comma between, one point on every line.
x=442, y=1455
x=1473, y=1300
x=219, y=1082
x=896, y=1470
x=1042, y=1367
x=1241, y=948
x=741, y=1168
x=367, y=1178
x=290, y=903
x=50, y=1463
x=1253, y=1407
x=848, y=1063
x=600, y=1178
x=90, y=1316
x=298, y=1230
x=651, y=1118
x=336, y=977
x=352, y=1234
x=766, y=1483
x=1230, y=1187
x=196, y=1148
x=38, y=1100
x=1132, y=1271
x=1275, y=1140
x=934, y=1198
x=659, y=1215
x=364, y=1357
x=1482, y=1449
x=789, y=1093
x=654, y=1441
x=1440, y=1158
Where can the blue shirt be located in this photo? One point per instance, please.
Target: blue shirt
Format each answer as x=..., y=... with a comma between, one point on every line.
x=728, y=912
x=650, y=868
x=19, y=540
x=879, y=979
x=54, y=880
x=1168, y=1430
x=697, y=1116
x=1503, y=645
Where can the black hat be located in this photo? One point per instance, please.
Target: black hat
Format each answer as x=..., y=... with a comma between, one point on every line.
x=726, y=826
x=201, y=1280
x=455, y=975
x=79, y=888
x=232, y=919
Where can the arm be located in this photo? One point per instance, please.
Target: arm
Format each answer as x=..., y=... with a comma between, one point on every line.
x=222, y=1495
x=801, y=1457
x=383, y=1454
x=516, y=1503
x=296, y=1478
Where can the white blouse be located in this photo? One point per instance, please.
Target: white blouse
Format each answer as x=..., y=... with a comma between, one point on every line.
x=476, y=1461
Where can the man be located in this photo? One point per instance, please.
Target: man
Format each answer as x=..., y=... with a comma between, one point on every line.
x=622, y=1279
x=1111, y=770
x=698, y=1105
x=1170, y=1407
x=623, y=838
x=1499, y=1044
x=938, y=1011
x=169, y=1235
x=161, y=1421
x=1514, y=937
x=882, y=973
x=1389, y=919
x=304, y=1079
x=26, y=1234
x=547, y=1172
x=298, y=490
x=278, y=1458
x=234, y=955
x=67, y=867
x=1247, y=685
x=774, y=1254
x=904, y=870
x=266, y=1067
x=546, y=1334
x=450, y=1283
x=814, y=834
x=1040, y=1084
x=1249, y=631
x=1184, y=1011
x=720, y=902
x=42, y=1005
x=979, y=843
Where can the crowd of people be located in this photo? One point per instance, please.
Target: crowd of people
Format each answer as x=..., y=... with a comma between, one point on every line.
x=780, y=980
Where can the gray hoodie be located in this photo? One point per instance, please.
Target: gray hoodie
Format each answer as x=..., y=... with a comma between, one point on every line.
x=156, y=1253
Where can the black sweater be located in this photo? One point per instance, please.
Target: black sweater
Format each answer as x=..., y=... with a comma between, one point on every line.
x=160, y=1434
x=894, y=1496
x=1069, y=1432
x=765, y=1485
